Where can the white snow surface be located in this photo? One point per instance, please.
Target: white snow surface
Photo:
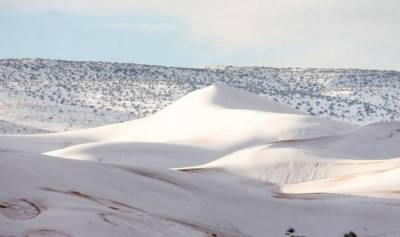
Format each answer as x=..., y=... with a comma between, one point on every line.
x=217, y=162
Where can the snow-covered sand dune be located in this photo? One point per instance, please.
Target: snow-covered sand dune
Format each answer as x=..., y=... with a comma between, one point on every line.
x=218, y=162
x=369, y=148
x=380, y=183
x=216, y=118
x=288, y=165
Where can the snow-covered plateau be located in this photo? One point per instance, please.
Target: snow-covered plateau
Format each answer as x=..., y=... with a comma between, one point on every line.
x=218, y=162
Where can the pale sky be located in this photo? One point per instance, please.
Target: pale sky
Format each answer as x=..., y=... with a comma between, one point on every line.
x=285, y=33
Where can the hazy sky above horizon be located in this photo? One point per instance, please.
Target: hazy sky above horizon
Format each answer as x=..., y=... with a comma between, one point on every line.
x=299, y=33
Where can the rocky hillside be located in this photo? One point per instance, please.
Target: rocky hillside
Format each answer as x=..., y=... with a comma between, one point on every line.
x=39, y=95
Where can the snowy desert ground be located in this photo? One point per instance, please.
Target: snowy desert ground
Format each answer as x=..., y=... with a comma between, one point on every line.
x=217, y=162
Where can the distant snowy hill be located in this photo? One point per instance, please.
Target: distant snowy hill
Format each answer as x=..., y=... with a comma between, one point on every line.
x=39, y=95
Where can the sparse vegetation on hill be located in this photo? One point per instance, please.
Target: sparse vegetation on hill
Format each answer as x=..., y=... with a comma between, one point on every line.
x=59, y=95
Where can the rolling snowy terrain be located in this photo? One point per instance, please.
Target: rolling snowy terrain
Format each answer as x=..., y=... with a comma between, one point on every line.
x=39, y=95
x=218, y=162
